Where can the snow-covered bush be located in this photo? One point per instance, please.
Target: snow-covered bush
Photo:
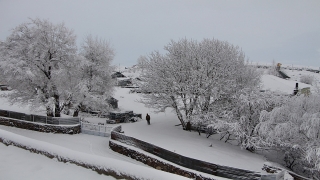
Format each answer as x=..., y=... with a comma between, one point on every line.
x=294, y=128
x=308, y=79
x=272, y=70
x=237, y=119
x=242, y=117
x=204, y=122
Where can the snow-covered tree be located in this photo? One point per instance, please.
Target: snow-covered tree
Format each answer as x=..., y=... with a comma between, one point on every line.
x=272, y=70
x=142, y=60
x=295, y=129
x=308, y=79
x=240, y=118
x=94, y=85
x=193, y=76
x=33, y=57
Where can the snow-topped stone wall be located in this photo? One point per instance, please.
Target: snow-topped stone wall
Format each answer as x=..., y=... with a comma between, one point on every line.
x=48, y=128
x=187, y=162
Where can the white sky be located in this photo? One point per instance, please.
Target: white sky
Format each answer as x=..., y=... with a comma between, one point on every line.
x=287, y=31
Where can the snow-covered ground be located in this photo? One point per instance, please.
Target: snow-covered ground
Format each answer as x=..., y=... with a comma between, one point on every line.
x=17, y=163
x=295, y=75
x=107, y=164
x=273, y=83
x=162, y=132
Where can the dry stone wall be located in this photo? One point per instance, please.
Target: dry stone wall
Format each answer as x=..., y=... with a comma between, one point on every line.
x=65, y=129
x=202, y=166
x=152, y=162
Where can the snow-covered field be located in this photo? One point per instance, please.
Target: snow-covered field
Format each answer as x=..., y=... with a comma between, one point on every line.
x=162, y=132
x=274, y=83
x=17, y=163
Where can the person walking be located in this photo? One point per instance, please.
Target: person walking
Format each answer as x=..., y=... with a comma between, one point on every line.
x=148, y=118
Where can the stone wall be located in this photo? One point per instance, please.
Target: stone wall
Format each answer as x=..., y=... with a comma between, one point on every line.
x=63, y=129
x=93, y=167
x=198, y=165
x=153, y=162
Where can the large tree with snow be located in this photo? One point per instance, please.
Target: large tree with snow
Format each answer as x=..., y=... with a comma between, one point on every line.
x=194, y=76
x=32, y=58
x=94, y=83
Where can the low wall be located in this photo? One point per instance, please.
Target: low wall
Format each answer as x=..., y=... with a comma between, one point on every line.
x=62, y=158
x=202, y=166
x=154, y=162
x=39, y=118
x=63, y=129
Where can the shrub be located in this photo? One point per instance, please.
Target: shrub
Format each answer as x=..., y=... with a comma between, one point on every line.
x=308, y=79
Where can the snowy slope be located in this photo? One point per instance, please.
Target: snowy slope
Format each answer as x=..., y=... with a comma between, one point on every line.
x=273, y=83
x=295, y=75
x=121, y=167
x=162, y=132
x=14, y=159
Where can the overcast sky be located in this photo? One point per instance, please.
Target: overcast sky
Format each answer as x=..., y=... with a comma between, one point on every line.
x=287, y=31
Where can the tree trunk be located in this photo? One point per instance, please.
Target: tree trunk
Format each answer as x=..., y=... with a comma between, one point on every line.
x=57, y=109
x=49, y=112
x=205, y=107
x=180, y=117
x=76, y=111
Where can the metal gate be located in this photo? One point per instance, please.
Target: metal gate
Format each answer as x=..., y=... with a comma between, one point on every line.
x=96, y=129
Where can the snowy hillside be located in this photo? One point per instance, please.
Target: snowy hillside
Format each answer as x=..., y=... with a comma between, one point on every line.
x=162, y=132
x=273, y=83
x=269, y=82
